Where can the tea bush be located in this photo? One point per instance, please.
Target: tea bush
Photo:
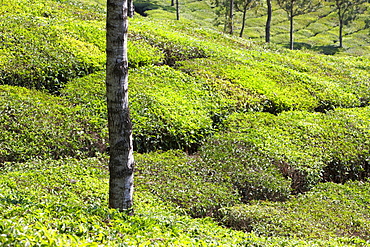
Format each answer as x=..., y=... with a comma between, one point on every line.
x=169, y=109
x=187, y=84
x=328, y=211
x=183, y=180
x=36, y=125
x=141, y=53
x=59, y=203
x=289, y=81
x=238, y=161
x=305, y=147
x=317, y=31
x=39, y=50
x=175, y=46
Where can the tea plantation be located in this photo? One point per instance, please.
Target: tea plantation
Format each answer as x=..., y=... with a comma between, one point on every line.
x=237, y=142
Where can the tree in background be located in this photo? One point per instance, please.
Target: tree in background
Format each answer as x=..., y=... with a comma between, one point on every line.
x=348, y=11
x=121, y=162
x=295, y=8
x=177, y=10
x=243, y=6
x=268, y=21
x=225, y=15
x=231, y=17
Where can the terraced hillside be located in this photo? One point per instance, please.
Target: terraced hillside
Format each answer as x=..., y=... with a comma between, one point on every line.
x=316, y=31
x=271, y=143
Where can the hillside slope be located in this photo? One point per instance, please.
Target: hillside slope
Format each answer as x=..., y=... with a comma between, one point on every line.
x=317, y=31
x=224, y=127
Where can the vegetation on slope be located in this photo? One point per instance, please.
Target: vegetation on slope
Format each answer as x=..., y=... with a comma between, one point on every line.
x=36, y=125
x=67, y=38
x=317, y=31
x=263, y=125
x=63, y=203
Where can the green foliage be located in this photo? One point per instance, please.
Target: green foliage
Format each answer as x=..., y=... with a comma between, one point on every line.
x=141, y=53
x=63, y=203
x=184, y=180
x=321, y=25
x=43, y=47
x=306, y=147
x=169, y=109
x=230, y=158
x=288, y=81
x=188, y=84
x=328, y=211
x=36, y=125
x=58, y=203
x=175, y=46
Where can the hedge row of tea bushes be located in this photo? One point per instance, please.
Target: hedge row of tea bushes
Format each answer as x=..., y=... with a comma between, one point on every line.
x=328, y=210
x=45, y=44
x=48, y=43
x=262, y=157
x=36, y=125
x=175, y=177
x=63, y=203
x=191, y=99
x=179, y=98
x=178, y=107
x=169, y=109
x=172, y=107
x=305, y=148
x=317, y=31
x=288, y=81
x=70, y=42
x=258, y=156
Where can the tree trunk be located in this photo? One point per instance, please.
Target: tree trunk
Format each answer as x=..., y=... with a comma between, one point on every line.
x=131, y=8
x=121, y=162
x=340, y=33
x=291, y=39
x=231, y=17
x=177, y=10
x=268, y=21
x=243, y=20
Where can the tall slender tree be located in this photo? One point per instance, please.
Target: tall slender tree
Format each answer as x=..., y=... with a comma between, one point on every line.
x=224, y=10
x=231, y=16
x=177, y=10
x=121, y=162
x=295, y=8
x=347, y=11
x=243, y=6
x=268, y=21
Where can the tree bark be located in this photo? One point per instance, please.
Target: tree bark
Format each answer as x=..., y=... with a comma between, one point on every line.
x=243, y=21
x=121, y=162
x=291, y=38
x=131, y=8
x=268, y=21
x=340, y=33
x=177, y=10
x=231, y=17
